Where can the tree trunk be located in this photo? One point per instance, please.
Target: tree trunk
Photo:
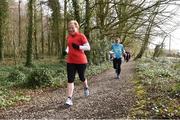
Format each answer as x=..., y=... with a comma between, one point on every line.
x=87, y=20
x=35, y=32
x=49, y=36
x=76, y=10
x=14, y=45
x=55, y=6
x=3, y=15
x=64, y=27
x=19, y=33
x=158, y=49
x=42, y=32
x=87, y=27
x=1, y=41
x=29, y=51
x=148, y=31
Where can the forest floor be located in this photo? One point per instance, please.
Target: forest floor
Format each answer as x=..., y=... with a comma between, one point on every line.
x=109, y=98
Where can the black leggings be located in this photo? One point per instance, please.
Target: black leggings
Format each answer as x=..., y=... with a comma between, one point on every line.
x=117, y=65
x=71, y=71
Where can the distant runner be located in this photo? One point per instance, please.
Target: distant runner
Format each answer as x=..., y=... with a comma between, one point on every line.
x=116, y=55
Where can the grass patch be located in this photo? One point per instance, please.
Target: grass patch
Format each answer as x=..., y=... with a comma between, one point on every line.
x=157, y=89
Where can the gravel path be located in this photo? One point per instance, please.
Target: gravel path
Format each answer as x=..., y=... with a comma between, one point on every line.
x=109, y=98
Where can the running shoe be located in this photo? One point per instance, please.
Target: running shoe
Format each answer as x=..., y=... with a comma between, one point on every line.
x=69, y=101
x=86, y=92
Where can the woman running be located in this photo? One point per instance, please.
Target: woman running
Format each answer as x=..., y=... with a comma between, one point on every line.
x=76, y=60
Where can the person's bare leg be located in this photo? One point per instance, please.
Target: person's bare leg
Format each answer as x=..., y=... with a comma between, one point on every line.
x=70, y=89
x=85, y=84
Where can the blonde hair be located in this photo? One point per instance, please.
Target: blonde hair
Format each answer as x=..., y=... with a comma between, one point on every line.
x=75, y=23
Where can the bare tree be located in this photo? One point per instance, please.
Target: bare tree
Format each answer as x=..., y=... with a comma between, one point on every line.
x=148, y=31
x=76, y=10
x=64, y=27
x=35, y=31
x=19, y=10
x=30, y=34
x=56, y=17
x=3, y=16
x=42, y=29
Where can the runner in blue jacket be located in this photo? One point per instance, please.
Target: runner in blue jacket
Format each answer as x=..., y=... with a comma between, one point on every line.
x=118, y=50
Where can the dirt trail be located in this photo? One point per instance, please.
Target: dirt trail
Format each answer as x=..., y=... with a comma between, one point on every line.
x=109, y=98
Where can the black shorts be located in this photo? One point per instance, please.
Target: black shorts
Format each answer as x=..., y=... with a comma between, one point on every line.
x=71, y=71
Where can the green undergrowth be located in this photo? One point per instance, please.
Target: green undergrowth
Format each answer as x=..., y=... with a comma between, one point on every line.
x=157, y=89
x=10, y=97
x=15, y=79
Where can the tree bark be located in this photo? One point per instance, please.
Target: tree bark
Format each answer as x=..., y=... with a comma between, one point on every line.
x=56, y=17
x=87, y=26
x=3, y=16
x=64, y=27
x=76, y=10
x=19, y=10
x=19, y=30
x=35, y=32
x=42, y=32
x=29, y=51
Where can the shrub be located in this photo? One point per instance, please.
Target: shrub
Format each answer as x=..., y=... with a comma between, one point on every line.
x=175, y=90
x=40, y=78
x=24, y=69
x=164, y=72
x=147, y=60
x=177, y=66
x=16, y=76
